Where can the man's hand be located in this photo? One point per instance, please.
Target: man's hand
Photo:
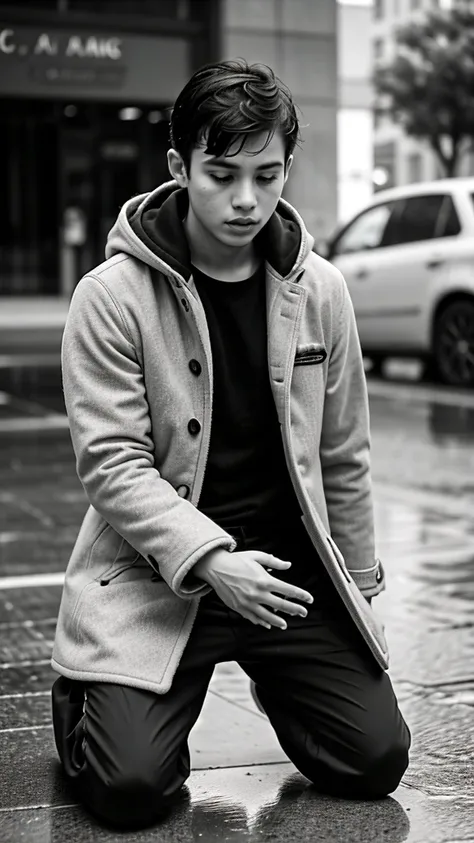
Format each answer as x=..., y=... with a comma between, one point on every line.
x=243, y=584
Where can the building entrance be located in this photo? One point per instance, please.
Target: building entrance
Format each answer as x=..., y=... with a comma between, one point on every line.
x=65, y=170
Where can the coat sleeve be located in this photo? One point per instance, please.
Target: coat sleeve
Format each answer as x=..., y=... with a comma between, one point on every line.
x=345, y=453
x=111, y=433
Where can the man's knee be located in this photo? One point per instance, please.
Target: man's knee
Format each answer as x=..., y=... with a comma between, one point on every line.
x=382, y=769
x=134, y=796
x=372, y=772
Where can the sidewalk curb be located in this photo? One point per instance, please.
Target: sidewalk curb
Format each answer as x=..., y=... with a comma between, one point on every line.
x=420, y=393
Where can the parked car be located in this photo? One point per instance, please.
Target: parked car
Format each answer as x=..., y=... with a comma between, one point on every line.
x=408, y=260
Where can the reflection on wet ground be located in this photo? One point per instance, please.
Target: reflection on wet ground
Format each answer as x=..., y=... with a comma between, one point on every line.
x=426, y=447
x=288, y=809
x=242, y=787
x=451, y=422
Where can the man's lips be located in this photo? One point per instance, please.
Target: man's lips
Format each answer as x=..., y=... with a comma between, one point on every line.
x=243, y=223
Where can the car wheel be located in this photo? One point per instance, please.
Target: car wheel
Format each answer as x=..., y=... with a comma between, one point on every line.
x=453, y=346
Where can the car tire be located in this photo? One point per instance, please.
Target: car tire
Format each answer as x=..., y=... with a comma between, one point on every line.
x=453, y=343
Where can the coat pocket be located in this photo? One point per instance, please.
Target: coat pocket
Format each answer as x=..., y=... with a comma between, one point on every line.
x=127, y=564
x=310, y=354
x=132, y=632
x=127, y=572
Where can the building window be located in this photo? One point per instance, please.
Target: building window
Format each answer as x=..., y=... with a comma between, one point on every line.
x=149, y=8
x=384, y=166
x=378, y=9
x=170, y=9
x=414, y=167
x=40, y=5
x=378, y=49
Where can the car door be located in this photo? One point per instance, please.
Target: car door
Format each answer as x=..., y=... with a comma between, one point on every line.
x=390, y=286
x=416, y=251
x=358, y=251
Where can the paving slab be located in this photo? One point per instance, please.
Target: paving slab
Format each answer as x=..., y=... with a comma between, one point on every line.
x=27, y=642
x=45, y=551
x=19, y=606
x=26, y=677
x=19, y=710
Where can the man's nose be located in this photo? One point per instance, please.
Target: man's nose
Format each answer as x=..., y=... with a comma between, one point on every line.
x=244, y=196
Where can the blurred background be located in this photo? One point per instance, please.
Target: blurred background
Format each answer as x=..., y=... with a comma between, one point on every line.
x=85, y=92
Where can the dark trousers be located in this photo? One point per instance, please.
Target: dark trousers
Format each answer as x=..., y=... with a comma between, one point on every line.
x=332, y=707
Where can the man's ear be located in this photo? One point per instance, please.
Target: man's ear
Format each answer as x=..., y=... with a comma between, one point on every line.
x=177, y=168
x=288, y=166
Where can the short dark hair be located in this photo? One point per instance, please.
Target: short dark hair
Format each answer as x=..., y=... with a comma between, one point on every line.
x=225, y=102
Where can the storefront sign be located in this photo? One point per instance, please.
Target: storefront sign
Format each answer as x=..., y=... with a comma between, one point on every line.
x=52, y=63
x=59, y=44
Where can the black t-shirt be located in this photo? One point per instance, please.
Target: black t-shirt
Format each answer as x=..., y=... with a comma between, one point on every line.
x=246, y=478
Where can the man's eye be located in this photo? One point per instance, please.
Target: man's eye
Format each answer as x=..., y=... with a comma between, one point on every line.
x=267, y=179
x=221, y=179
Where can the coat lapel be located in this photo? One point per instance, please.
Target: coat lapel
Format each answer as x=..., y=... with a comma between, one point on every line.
x=285, y=301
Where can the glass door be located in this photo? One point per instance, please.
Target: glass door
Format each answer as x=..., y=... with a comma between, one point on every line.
x=29, y=208
x=65, y=171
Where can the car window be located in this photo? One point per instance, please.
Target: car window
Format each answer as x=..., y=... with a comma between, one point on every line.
x=365, y=232
x=417, y=218
x=448, y=224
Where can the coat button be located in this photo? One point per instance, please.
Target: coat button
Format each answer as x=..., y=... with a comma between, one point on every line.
x=183, y=491
x=194, y=427
x=195, y=367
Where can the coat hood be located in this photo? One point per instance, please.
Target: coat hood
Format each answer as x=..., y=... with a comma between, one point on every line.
x=150, y=227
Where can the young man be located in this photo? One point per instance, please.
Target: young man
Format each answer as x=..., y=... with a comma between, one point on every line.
x=218, y=410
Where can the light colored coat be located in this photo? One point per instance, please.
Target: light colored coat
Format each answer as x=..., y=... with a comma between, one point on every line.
x=130, y=599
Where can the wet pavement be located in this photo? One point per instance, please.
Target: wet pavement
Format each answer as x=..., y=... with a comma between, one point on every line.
x=242, y=787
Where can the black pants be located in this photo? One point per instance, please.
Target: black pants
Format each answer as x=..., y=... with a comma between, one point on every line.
x=332, y=707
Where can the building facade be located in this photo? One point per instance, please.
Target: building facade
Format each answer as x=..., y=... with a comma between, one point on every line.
x=399, y=159
x=355, y=108
x=298, y=39
x=85, y=92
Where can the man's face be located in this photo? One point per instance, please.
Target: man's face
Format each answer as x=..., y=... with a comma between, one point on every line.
x=234, y=196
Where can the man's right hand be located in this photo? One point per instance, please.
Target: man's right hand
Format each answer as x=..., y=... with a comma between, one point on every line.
x=243, y=584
